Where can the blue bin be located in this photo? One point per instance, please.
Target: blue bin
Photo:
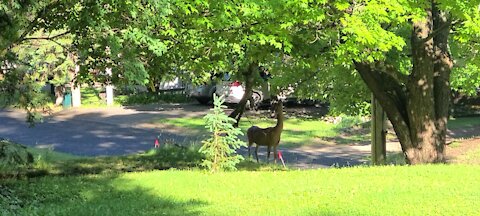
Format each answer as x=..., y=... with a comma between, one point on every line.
x=67, y=100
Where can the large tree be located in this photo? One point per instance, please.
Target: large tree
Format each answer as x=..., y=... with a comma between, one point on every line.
x=401, y=51
x=41, y=39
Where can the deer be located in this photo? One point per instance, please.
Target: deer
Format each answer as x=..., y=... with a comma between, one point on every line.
x=269, y=137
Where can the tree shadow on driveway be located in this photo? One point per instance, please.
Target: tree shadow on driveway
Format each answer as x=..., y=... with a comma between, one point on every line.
x=82, y=136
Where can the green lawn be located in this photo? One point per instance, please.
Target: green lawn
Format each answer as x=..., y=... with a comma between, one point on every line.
x=299, y=132
x=91, y=98
x=296, y=132
x=390, y=190
x=463, y=122
x=49, y=155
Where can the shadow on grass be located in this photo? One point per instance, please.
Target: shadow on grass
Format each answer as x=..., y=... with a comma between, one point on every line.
x=352, y=140
x=163, y=158
x=92, y=195
x=250, y=164
x=157, y=159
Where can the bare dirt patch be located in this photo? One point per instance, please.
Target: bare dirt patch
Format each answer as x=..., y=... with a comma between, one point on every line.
x=457, y=150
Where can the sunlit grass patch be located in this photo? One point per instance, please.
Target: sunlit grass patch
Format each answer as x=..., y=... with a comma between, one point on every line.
x=470, y=157
x=296, y=131
x=387, y=190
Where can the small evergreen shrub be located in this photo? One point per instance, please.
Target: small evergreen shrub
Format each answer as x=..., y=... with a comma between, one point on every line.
x=219, y=148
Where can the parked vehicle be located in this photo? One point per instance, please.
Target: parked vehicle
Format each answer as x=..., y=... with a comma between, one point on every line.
x=232, y=91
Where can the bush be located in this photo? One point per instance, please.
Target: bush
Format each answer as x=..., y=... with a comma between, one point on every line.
x=220, y=148
x=13, y=154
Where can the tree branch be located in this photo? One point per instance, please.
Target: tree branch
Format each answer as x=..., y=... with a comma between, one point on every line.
x=438, y=31
x=392, y=103
x=46, y=38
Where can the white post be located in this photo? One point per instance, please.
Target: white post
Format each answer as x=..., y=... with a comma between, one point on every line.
x=76, y=95
x=379, y=146
x=109, y=89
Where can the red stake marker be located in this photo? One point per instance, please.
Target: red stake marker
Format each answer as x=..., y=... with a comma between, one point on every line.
x=281, y=158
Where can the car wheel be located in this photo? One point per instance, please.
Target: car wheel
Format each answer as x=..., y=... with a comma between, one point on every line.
x=256, y=98
x=203, y=101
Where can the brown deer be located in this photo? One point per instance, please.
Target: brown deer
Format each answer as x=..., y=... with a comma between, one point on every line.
x=269, y=137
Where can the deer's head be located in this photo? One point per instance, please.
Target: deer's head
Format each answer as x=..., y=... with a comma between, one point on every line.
x=276, y=108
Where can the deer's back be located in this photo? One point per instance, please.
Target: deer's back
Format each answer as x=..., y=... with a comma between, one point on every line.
x=260, y=136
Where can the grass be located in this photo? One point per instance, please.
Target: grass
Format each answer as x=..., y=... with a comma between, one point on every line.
x=149, y=98
x=389, y=190
x=299, y=132
x=296, y=132
x=48, y=155
x=47, y=162
x=463, y=122
x=91, y=98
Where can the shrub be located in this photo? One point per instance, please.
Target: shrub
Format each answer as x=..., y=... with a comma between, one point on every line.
x=220, y=148
x=13, y=154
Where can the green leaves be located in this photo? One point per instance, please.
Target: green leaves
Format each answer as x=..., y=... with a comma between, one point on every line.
x=301, y=42
x=365, y=33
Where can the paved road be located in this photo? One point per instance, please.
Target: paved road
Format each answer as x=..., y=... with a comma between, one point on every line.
x=119, y=131
x=80, y=136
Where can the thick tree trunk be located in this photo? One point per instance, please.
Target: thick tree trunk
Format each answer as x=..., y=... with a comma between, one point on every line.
x=240, y=109
x=420, y=96
x=418, y=105
x=443, y=64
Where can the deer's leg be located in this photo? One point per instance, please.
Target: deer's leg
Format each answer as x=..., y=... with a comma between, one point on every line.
x=275, y=155
x=256, y=152
x=249, y=153
x=268, y=153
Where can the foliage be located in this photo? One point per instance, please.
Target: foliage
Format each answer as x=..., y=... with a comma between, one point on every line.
x=350, y=121
x=220, y=148
x=348, y=191
x=148, y=41
x=13, y=156
x=10, y=203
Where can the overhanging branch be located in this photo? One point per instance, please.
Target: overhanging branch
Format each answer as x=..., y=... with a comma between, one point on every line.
x=391, y=102
x=46, y=38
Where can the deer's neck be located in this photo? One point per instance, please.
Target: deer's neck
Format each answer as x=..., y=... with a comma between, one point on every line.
x=279, y=120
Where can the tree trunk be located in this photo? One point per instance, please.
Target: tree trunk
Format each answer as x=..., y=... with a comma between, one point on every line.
x=59, y=93
x=240, y=109
x=443, y=64
x=420, y=96
x=418, y=105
